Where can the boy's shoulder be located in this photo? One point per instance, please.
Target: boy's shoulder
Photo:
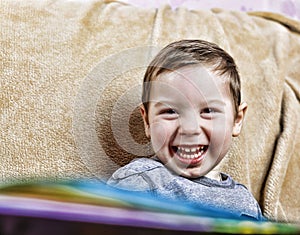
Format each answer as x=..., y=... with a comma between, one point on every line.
x=136, y=176
x=137, y=166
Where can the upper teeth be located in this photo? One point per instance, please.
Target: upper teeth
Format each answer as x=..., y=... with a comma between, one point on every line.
x=192, y=150
x=190, y=153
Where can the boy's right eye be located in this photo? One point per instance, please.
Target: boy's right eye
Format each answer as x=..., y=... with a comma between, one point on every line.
x=168, y=111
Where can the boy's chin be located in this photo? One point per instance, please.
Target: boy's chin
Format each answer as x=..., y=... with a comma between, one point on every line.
x=189, y=168
x=184, y=171
x=190, y=173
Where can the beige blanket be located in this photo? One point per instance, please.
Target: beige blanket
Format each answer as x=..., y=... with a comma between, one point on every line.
x=70, y=76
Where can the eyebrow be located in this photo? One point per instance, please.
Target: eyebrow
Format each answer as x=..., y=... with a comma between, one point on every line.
x=162, y=103
x=219, y=102
x=170, y=103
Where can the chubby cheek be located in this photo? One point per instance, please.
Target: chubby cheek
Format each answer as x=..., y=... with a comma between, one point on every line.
x=220, y=137
x=159, y=136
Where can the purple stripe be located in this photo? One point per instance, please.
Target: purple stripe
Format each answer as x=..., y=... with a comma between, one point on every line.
x=98, y=214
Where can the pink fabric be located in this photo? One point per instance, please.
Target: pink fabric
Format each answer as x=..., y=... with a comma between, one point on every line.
x=290, y=8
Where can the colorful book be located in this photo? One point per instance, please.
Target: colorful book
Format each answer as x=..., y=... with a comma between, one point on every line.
x=97, y=207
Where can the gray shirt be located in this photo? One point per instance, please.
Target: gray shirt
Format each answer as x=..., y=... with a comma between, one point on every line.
x=149, y=174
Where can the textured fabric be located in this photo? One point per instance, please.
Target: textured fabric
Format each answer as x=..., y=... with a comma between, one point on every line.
x=69, y=82
x=150, y=175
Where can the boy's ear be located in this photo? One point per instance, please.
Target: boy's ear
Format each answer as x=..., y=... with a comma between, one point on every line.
x=238, y=122
x=146, y=121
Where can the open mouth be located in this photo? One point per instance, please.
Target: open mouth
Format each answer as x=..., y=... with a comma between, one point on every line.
x=190, y=154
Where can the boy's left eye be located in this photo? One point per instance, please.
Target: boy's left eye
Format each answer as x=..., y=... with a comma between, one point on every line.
x=209, y=113
x=208, y=110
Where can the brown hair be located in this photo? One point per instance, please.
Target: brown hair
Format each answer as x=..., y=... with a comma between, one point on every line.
x=189, y=52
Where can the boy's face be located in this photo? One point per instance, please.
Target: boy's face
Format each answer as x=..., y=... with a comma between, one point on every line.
x=191, y=120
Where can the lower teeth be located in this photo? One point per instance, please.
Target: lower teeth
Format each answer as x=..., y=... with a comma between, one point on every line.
x=191, y=156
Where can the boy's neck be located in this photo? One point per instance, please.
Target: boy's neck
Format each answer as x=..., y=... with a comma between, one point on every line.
x=214, y=174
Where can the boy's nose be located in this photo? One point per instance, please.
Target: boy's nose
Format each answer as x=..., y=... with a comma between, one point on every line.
x=190, y=125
